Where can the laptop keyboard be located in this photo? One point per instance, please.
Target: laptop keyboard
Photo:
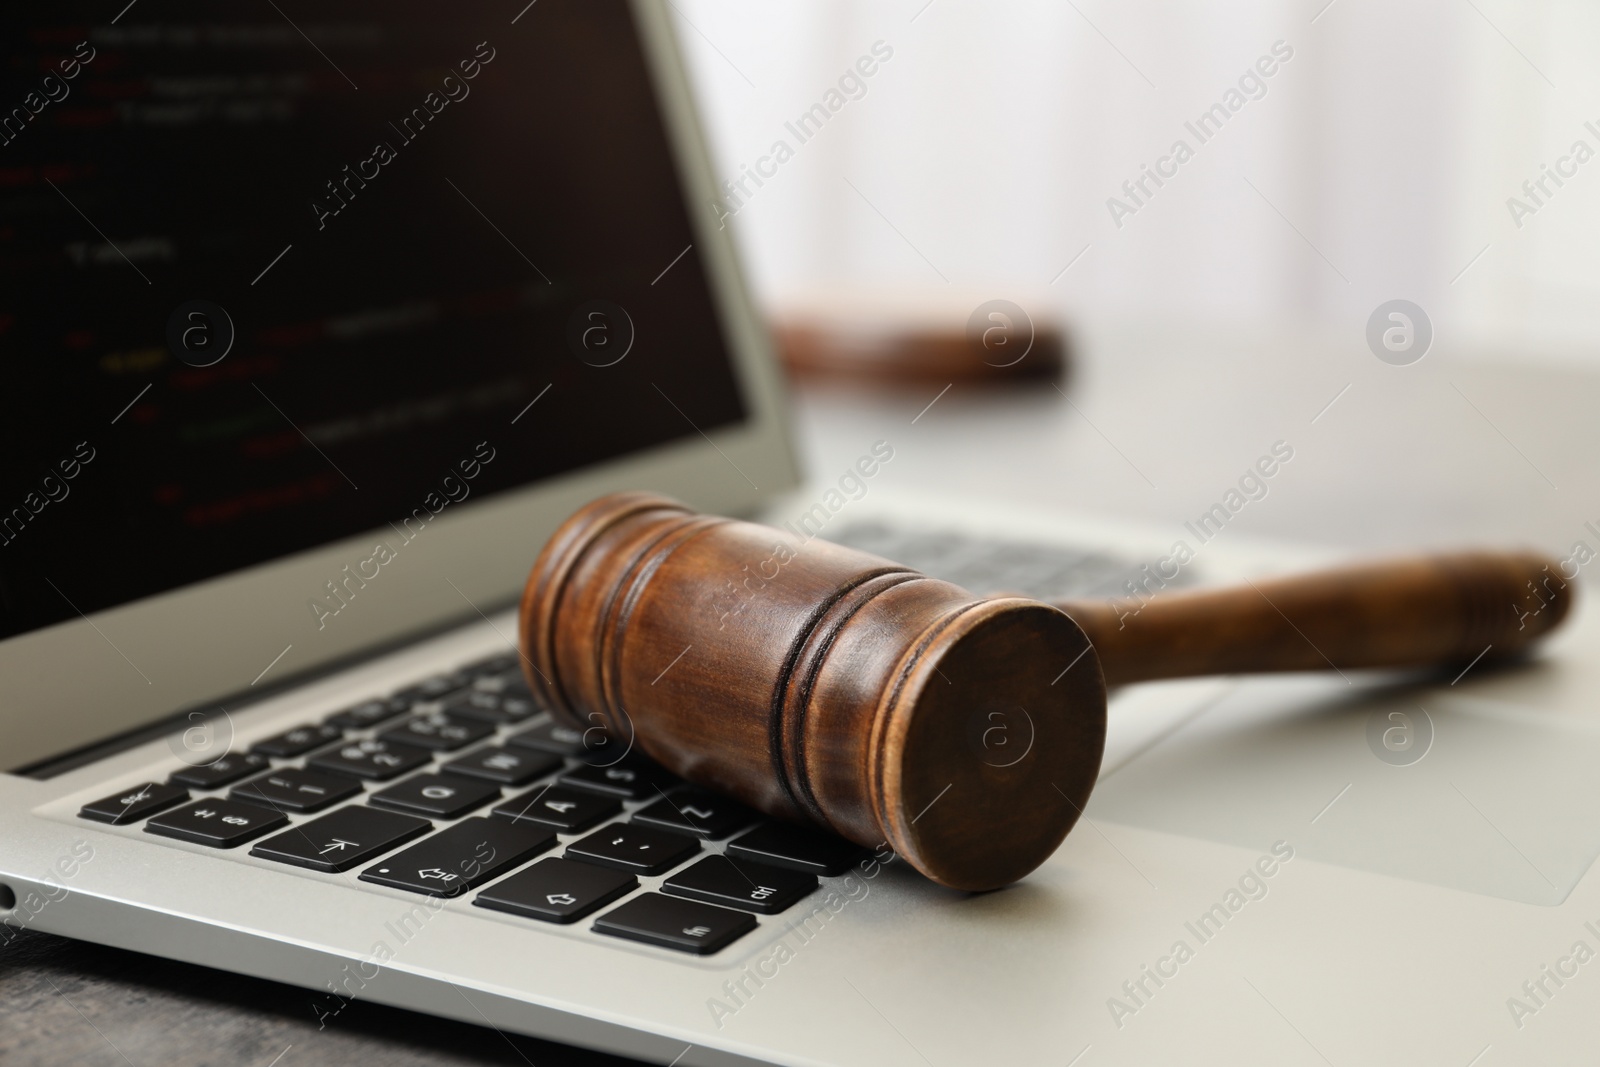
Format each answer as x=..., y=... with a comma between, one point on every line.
x=368, y=787
x=449, y=786
x=988, y=565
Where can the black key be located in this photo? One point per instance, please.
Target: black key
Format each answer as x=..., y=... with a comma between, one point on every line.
x=600, y=749
x=483, y=701
x=503, y=680
x=741, y=884
x=500, y=664
x=218, y=823
x=629, y=779
x=491, y=707
x=134, y=803
x=368, y=713
x=440, y=731
x=291, y=789
x=461, y=857
x=432, y=688
x=514, y=682
x=697, y=812
x=219, y=772
x=557, y=890
x=433, y=794
x=511, y=688
x=374, y=758
x=295, y=742
x=567, y=810
x=634, y=848
x=504, y=765
x=797, y=847
x=684, y=925
x=341, y=839
x=550, y=736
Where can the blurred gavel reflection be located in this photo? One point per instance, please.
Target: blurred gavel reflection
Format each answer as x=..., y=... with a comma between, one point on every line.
x=922, y=339
x=826, y=685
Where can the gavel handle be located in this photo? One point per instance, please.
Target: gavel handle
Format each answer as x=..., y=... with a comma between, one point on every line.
x=1442, y=609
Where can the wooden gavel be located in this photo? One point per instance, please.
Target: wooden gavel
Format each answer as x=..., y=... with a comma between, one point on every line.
x=825, y=685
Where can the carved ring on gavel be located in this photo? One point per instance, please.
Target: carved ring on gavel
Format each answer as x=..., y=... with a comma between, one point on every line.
x=828, y=686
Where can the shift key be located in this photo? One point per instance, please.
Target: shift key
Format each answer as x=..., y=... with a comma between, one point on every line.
x=461, y=857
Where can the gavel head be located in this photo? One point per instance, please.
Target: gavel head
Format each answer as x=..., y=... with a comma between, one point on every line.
x=820, y=684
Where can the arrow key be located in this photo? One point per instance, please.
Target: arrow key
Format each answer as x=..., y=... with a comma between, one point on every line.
x=557, y=890
x=461, y=857
x=341, y=839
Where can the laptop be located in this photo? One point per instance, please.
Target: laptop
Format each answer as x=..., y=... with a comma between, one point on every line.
x=313, y=332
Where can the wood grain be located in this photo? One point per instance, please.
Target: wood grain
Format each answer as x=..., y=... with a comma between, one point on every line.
x=826, y=685
x=161, y=1012
x=1443, y=609
x=819, y=683
x=914, y=355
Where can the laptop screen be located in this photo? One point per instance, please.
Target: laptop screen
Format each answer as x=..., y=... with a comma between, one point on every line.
x=273, y=278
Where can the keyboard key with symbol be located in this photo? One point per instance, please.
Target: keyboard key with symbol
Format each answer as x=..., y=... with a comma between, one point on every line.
x=221, y=771
x=511, y=686
x=697, y=812
x=634, y=848
x=218, y=823
x=434, y=794
x=432, y=688
x=504, y=765
x=374, y=758
x=600, y=749
x=491, y=707
x=797, y=847
x=291, y=789
x=510, y=681
x=550, y=736
x=369, y=713
x=629, y=779
x=567, y=810
x=300, y=740
x=494, y=665
x=134, y=803
x=440, y=731
x=341, y=839
x=685, y=925
x=741, y=884
x=557, y=890
x=461, y=857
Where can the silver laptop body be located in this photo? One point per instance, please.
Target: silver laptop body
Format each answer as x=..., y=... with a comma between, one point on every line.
x=1293, y=870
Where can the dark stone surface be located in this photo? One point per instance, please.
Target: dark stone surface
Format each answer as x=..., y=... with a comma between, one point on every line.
x=75, y=1004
